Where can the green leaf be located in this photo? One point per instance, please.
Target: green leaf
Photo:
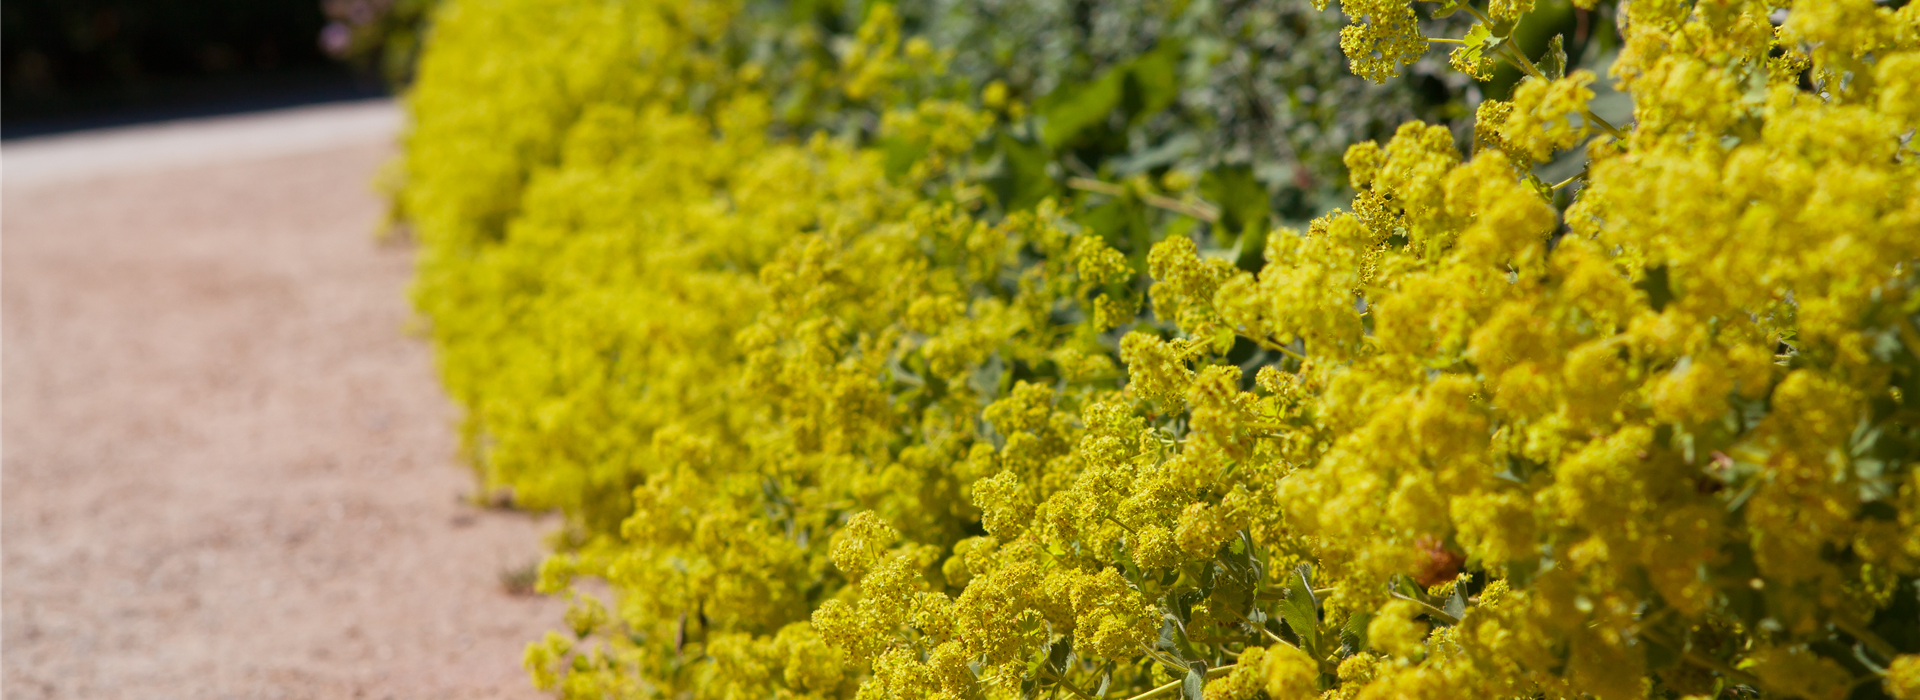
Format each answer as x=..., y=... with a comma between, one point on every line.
x=1735, y=572
x=1177, y=641
x=1243, y=201
x=1879, y=510
x=1656, y=285
x=1456, y=604
x=1446, y=9
x=1302, y=613
x=1060, y=657
x=1193, y=687
x=1520, y=572
x=1478, y=39
x=1519, y=469
x=1184, y=226
x=1553, y=63
x=1659, y=656
x=1153, y=81
x=1072, y=109
x=900, y=155
x=1023, y=180
x=987, y=377
x=1894, y=623
x=1354, y=633
x=1404, y=585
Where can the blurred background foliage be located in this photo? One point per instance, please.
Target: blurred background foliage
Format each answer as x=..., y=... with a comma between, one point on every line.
x=76, y=63
x=1251, y=100
x=381, y=36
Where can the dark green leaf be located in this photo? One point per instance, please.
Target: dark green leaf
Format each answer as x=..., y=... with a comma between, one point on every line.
x=1252, y=250
x=1892, y=447
x=1183, y=603
x=1521, y=571
x=1153, y=81
x=1736, y=572
x=1061, y=656
x=1553, y=63
x=1354, y=633
x=1659, y=656
x=1305, y=572
x=1072, y=109
x=1243, y=201
x=1302, y=613
x=1111, y=221
x=1519, y=469
x=1879, y=510
x=1656, y=285
x=1740, y=497
x=1257, y=562
x=1894, y=623
x=1023, y=180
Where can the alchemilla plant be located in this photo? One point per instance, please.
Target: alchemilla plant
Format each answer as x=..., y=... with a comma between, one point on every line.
x=854, y=379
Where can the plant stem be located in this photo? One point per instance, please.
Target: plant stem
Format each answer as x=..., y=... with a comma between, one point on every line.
x=1160, y=656
x=1525, y=64
x=1716, y=665
x=1519, y=59
x=1170, y=685
x=1866, y=636
x=1270, y=345
x=1602, y=123
x=1429, y=609
x=1062, y=682
x=1092, y=185
x=1276, y=638
x=1199, y=210
x=1708, y=663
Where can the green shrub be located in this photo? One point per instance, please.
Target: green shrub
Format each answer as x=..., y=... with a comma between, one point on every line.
x=848, y=383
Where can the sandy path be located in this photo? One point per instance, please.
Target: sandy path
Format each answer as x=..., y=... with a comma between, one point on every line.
x=227, y=472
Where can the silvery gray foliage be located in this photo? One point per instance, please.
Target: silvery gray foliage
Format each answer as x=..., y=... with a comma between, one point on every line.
x=1260, y=84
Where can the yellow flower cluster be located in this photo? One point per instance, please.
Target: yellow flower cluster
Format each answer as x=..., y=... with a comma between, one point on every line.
x=830, y=424
x=1384, y=35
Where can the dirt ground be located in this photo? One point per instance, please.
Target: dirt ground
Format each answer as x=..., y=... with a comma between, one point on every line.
x=227, y=471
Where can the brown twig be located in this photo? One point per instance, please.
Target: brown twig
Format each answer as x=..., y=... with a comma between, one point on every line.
x=1196, y=209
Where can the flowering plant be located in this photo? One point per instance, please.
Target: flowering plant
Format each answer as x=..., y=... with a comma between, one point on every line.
x=836, y=416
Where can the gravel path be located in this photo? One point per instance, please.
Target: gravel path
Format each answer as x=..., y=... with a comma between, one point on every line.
x=226, y=470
